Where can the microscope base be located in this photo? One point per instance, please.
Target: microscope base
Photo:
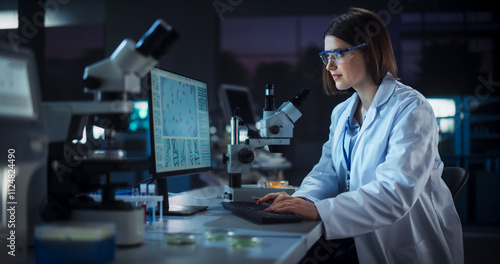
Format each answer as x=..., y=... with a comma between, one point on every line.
x=129, y=224
x=246, y=191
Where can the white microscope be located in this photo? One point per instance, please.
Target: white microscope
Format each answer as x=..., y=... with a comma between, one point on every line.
x=77, y=167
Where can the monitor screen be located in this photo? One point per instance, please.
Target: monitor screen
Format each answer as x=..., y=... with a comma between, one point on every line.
x=232, y=96
x=180, y=130
x=16, y=99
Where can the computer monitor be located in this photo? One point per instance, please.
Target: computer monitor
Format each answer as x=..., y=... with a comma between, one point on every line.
x=180, y=130
x=15, y=87
x=232, y=96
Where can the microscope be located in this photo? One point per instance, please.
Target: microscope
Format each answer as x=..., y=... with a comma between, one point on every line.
x=77, y=166
x=275, y=131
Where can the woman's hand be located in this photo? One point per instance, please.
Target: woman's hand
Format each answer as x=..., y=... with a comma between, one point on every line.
x=270, y=198
x=282, y=202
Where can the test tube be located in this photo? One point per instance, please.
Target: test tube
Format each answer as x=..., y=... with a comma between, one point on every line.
x=135, y=192
x=151, y=213
x=151, y=189
x=143, y=188
x=151, y=205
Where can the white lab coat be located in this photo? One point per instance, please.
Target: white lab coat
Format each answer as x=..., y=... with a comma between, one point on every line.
x=398, y=209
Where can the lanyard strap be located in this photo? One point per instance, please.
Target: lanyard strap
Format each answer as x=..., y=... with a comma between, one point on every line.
x=347, y=161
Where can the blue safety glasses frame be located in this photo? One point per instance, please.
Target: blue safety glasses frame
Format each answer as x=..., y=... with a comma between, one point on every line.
x=337, y=55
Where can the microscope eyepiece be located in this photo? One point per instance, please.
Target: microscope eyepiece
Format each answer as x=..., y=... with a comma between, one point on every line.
x=269, y=99
x=156, y=41
x=300, y=96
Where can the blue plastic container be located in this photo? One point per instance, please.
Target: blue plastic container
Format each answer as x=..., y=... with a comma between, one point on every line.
x=75, y=243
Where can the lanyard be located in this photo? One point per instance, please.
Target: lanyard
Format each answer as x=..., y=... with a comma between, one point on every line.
x=347, y=161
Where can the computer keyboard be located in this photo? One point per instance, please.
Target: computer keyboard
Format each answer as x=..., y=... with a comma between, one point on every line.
x=256, y=213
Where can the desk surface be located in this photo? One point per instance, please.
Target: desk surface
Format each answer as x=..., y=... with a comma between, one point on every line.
x=281, y=243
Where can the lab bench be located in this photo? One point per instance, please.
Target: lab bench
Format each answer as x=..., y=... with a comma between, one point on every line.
x=279, y=243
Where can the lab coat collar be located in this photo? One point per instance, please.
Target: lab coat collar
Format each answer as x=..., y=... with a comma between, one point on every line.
x=385, y=90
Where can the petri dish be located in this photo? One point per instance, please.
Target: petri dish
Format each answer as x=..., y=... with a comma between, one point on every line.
x=218, y=234
x=180, y=238
x=276, y=184
x=245, y=241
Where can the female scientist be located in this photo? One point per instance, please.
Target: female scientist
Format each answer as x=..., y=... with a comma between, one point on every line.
x=379, y=176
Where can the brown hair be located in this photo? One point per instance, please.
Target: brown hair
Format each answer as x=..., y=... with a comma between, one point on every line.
x=359, y=26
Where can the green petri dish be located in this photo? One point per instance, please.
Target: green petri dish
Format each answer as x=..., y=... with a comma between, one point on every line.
x=218, y=235
x=242, y=241
x=180, y=239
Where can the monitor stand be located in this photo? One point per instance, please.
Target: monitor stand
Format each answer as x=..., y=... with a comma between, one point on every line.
x=181, y=210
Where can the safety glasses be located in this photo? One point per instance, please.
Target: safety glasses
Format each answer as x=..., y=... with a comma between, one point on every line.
x=338, y=56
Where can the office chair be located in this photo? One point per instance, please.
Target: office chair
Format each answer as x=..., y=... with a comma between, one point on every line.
x=455, y=178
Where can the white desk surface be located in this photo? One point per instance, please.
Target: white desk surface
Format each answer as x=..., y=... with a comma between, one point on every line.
x=281, y=243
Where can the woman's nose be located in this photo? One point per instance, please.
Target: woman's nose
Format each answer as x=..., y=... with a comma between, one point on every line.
x=331, y=65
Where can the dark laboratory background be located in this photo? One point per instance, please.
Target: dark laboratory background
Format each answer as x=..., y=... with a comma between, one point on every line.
x=446, y=49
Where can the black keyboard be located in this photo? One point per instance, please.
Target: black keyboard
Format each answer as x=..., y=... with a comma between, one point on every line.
x=256, y=213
